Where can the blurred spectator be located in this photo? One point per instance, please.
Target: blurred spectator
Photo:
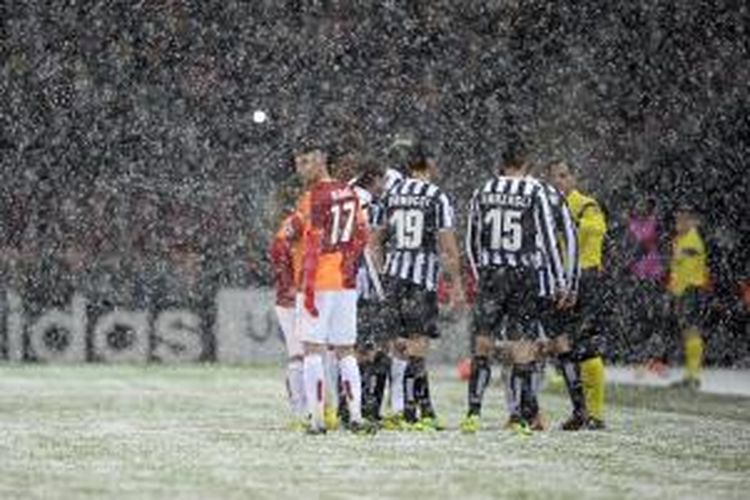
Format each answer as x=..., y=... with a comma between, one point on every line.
x=688, y=283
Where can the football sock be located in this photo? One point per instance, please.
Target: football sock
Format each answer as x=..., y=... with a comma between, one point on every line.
x=398, y=369
x=522, y=389
x=369, y=381
x=295, y=380
x=413, y=372
x=478, y=380
x=593, y=381
x=332, y=385
x=505, y=377
x=571, y=373
x=352, y=385
x=314, y=387
x=382, y=368
x=693, y=354
x=422, y=389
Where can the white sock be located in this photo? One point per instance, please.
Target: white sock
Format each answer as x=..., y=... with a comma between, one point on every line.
x=295, y=379
x=398, y=368
x=314, y=388
x=352, y=382
x=331, y=364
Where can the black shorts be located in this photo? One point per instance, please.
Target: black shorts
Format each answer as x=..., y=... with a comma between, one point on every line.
x=586, y=322
x=410, y=309
x=507, y=305
x=372, y=324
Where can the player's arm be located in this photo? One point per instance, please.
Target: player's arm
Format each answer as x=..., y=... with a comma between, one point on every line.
x=572, y=261
x=473, y=231
x=546, y=228
x=377, y=235
x=283, y=262
x=449, y=254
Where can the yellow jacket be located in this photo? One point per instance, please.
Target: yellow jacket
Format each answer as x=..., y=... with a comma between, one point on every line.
x=592, y=226
x=688, y=267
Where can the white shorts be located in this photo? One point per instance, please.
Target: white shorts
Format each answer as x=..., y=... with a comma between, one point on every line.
x=336, y=323
x=287, y=317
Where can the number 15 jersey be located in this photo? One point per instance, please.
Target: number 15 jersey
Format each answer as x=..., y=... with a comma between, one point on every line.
x=334, y=236
x=413, y=213
x=511, y=224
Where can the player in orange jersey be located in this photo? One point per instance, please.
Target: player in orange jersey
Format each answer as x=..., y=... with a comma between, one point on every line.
x=334, y=237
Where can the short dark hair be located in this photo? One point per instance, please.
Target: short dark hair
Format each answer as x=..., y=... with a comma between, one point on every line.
x=559, y=161
x=417, y=159
x=369, y=171
x=515, y=155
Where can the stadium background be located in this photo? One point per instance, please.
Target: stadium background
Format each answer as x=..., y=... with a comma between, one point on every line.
x=132, y=167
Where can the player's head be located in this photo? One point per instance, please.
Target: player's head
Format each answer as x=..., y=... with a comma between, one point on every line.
x=420, y=164
x=515, y=160
x=685, y=218
x=311, y=164
x=371, y=176
x=561, y=175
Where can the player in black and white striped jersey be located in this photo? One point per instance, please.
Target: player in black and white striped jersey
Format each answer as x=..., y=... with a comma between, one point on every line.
x=555, y=306
x=417, y=226
x=512, y=246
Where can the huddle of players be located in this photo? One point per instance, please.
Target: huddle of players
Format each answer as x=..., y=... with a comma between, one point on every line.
x=358, y=265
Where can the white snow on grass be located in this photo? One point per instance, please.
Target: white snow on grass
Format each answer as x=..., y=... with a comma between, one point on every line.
x=219, y=432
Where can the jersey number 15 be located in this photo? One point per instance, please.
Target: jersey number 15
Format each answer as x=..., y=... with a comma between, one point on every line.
x=506, y=232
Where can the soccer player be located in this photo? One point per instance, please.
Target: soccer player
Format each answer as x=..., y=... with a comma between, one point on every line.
x=286, y=257
x=556, y=304
x=372, y=346
x=588, y=310
x=688, y=280
x=417, y=225
x=511, y=243
x=334, y=237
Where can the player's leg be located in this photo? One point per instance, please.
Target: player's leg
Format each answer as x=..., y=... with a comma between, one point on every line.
x=381, y=368
x=485, y=316
x=558, y=323
x=692, y=339
x=315, y=344
x=343, y=328
x=589, y=348
x=399, y=363
x=421, y=323
x=295, y=379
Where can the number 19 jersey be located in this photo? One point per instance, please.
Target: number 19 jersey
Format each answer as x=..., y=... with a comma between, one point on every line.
x=413, y=214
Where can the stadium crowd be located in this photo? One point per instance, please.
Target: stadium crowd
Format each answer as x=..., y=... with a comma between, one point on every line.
x=132, y=166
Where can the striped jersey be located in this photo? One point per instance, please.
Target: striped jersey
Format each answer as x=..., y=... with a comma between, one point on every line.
x=414, y=212
x=567, y=241
x=511, y=224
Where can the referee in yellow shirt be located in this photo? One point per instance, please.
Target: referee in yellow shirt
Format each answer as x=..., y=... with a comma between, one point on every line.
x=689, y=279
x=588, y=311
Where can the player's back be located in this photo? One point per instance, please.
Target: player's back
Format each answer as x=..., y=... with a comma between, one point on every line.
x=414, y=212
x=335, y=232
x=503, y=226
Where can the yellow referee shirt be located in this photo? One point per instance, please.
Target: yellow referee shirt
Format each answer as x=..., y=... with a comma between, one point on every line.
x=592, y=226
x=688, y=267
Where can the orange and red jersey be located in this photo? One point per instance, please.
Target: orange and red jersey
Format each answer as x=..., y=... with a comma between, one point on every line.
x=335, y=235
x=286, y=258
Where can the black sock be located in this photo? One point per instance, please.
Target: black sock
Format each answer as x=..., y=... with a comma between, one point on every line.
x=571, y=373
x=367, y=372
x=343, y=409
x=522, y=389
x=413, y=372
x=422, y=390
x=382, y=367
x=481, y=373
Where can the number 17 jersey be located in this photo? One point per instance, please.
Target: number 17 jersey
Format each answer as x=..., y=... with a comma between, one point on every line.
x=335, y=234
x=413, y=214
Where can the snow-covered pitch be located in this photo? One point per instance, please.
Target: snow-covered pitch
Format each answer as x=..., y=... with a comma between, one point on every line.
x=212, y=431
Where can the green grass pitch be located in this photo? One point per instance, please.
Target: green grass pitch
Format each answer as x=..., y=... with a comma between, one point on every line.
x=220, y=432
